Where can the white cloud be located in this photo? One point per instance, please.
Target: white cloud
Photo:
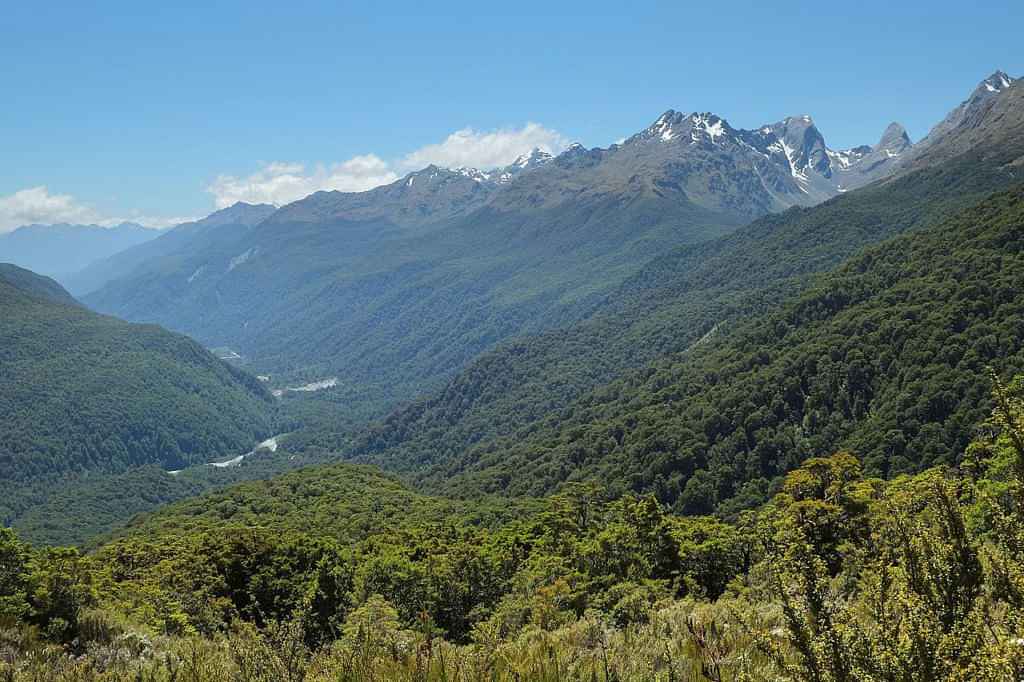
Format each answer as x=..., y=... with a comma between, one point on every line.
x=37, y=205
x=468, y=147
x=280, y=182
x=283, y=182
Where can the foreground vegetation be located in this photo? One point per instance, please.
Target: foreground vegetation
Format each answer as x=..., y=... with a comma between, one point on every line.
x=839, y=577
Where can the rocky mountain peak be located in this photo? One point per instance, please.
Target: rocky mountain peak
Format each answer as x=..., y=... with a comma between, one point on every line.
x=239, y=213
x=997, y=82
x=537, y=157
x=803, y=144
x=474, y=174
x=690, y=128
x=895, y=139
x=434, y=174
x=663, y=128
x=578, y=156
x=969, y=109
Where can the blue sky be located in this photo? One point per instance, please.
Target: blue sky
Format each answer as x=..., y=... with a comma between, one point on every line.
x=120, y=110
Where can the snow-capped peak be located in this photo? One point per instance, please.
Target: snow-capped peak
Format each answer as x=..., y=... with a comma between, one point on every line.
x=573, y=150
x=707, y=124
x=663, y=127
x=846, y=158
x=534, y=158
x=997, y=82
x=472, y=173
x=697, y=126
x=435, y=173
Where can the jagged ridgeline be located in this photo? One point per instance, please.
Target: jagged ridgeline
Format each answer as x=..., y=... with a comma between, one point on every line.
x=84, y=394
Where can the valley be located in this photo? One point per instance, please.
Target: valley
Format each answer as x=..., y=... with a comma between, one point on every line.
x=708, y=403
x=403, y=285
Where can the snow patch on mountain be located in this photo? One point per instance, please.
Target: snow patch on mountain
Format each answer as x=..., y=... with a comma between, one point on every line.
x=706, y=125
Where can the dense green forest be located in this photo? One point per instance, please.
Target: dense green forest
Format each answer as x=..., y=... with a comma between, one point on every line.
x=675, y=301
x=682, y=296
x=343, y=573
x=883, y=356
x=85, y=394
x=86, y=508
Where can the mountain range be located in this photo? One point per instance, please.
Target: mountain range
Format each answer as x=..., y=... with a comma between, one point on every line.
x=62, y=249
x=393, y=290
x=219, y=225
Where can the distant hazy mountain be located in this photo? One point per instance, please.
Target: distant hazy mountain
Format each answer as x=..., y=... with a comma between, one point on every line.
x=218, y=225
x=88, y=395
x=59, y=250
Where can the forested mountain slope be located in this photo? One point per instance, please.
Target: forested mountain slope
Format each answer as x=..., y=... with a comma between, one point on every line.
x=86, y=394
x=85, y=509
x=885, y=356
x=34, y=286
x=675, y=301
x=340, y=501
